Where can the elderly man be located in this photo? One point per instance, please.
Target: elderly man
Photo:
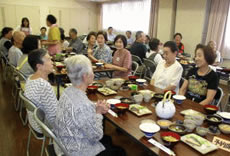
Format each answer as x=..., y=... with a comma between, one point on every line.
x=78, y=122
x=138, y=48
x=75, y=44
x=15, y=51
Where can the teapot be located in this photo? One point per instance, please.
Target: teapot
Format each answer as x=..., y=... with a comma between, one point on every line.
x=165, y=109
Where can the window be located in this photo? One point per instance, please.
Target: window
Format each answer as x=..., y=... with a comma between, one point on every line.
x=127, y=15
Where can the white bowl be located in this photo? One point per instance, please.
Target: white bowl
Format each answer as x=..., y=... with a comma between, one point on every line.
x=140, y=81
x=179, y=98
x=225, y=115
x=149, y=128
x=113, y=101
x=99, y=64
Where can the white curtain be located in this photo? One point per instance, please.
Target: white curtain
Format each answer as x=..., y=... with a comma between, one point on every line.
x=131, y=15
x=226, y=48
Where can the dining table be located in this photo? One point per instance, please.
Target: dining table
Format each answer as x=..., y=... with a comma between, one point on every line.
x=129, y=123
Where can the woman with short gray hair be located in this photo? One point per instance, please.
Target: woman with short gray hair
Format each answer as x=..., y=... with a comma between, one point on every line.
x=79, y=120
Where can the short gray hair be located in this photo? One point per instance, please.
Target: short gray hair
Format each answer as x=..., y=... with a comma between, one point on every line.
x=77, y=66
x=73, y=30
x=138, y=34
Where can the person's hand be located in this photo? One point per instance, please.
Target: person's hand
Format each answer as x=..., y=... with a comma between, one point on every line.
x=102, y=107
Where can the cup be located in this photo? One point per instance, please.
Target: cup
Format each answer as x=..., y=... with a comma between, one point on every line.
x=147, y=96
x=134, y=87
x=138, y=98
x=58, y=57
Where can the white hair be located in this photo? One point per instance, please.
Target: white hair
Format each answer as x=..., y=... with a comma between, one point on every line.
x=77, y=66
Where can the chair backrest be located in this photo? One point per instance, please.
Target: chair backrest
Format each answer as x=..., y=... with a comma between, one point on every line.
x=135, y=66
x=20, y=75
x=136, y=59
x=181, y=82
x=39, y=116
x=27, y=103
x=150, y=68
x=218, y=97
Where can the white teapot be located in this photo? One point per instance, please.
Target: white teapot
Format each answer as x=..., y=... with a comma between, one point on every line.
x=165, y=109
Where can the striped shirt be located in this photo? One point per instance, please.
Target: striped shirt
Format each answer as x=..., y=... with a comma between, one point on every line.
x=41, y=93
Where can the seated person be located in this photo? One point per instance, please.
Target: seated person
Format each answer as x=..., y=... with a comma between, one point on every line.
x=138, y=48
x=102, y=53
x=75, y=44
x=147, y=39
x=79, y=121
x=168, y=72
x=90, y=46
x=177, y=38
x=15, y=51
x=212, y=44
x=64, y=42
x=38, y=90
x=201, y=83
x=30, y=43
x=43, y=35
x=129, y=38
x=154, y=55
x=5, y=41
x=122, y=59
x=110, y=34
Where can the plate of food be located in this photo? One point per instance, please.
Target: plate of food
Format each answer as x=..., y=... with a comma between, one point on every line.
x=199, y=143
x=192, y=112
x=127, y=100
x=139, y=110
x=106, y=91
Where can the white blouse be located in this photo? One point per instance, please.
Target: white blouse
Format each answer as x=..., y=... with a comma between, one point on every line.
x=165, y=76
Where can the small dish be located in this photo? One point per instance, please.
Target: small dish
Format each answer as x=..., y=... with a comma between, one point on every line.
x=224, y=128
x=140, y=81
x=180, y=129
x=92, y=89
x=133, y=78
x=170, y=138
x=179, y=98
x=213, y=119
x=211, y=109
x=99, y=64
x=127, y=100
x=121, y=108
x=164, y=124
x=201, y=131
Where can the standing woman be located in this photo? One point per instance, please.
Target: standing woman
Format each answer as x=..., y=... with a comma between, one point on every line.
x=25, y=26
x=54, y=36
x=122, y=59
x=5, y=41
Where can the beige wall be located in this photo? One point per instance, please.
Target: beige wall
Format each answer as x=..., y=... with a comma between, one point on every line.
x=190, y=17
x=189, y=21
x=70, y=13
x=165, y=20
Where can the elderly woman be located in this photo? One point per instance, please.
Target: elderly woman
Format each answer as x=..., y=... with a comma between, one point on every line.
x=177, y=38
x=54, y=36
x=122, y=59
x=38, y=89
x=201, y=83
x=212, y=44
x=5, y=41
x=79, y=120
x=30, y=43
x=102, y=52
x=168, y=72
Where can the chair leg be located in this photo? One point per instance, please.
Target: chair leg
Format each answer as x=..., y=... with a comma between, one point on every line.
x=43, y=146
x=24, y=121
x=28, y=144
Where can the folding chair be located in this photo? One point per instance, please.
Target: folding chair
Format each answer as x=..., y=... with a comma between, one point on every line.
x=218, y=97
x=135, y=66
x=149, y=69
x=31, y=107
x=39, y=116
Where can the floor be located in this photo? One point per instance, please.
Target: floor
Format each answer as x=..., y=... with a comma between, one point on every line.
x=14, y=135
